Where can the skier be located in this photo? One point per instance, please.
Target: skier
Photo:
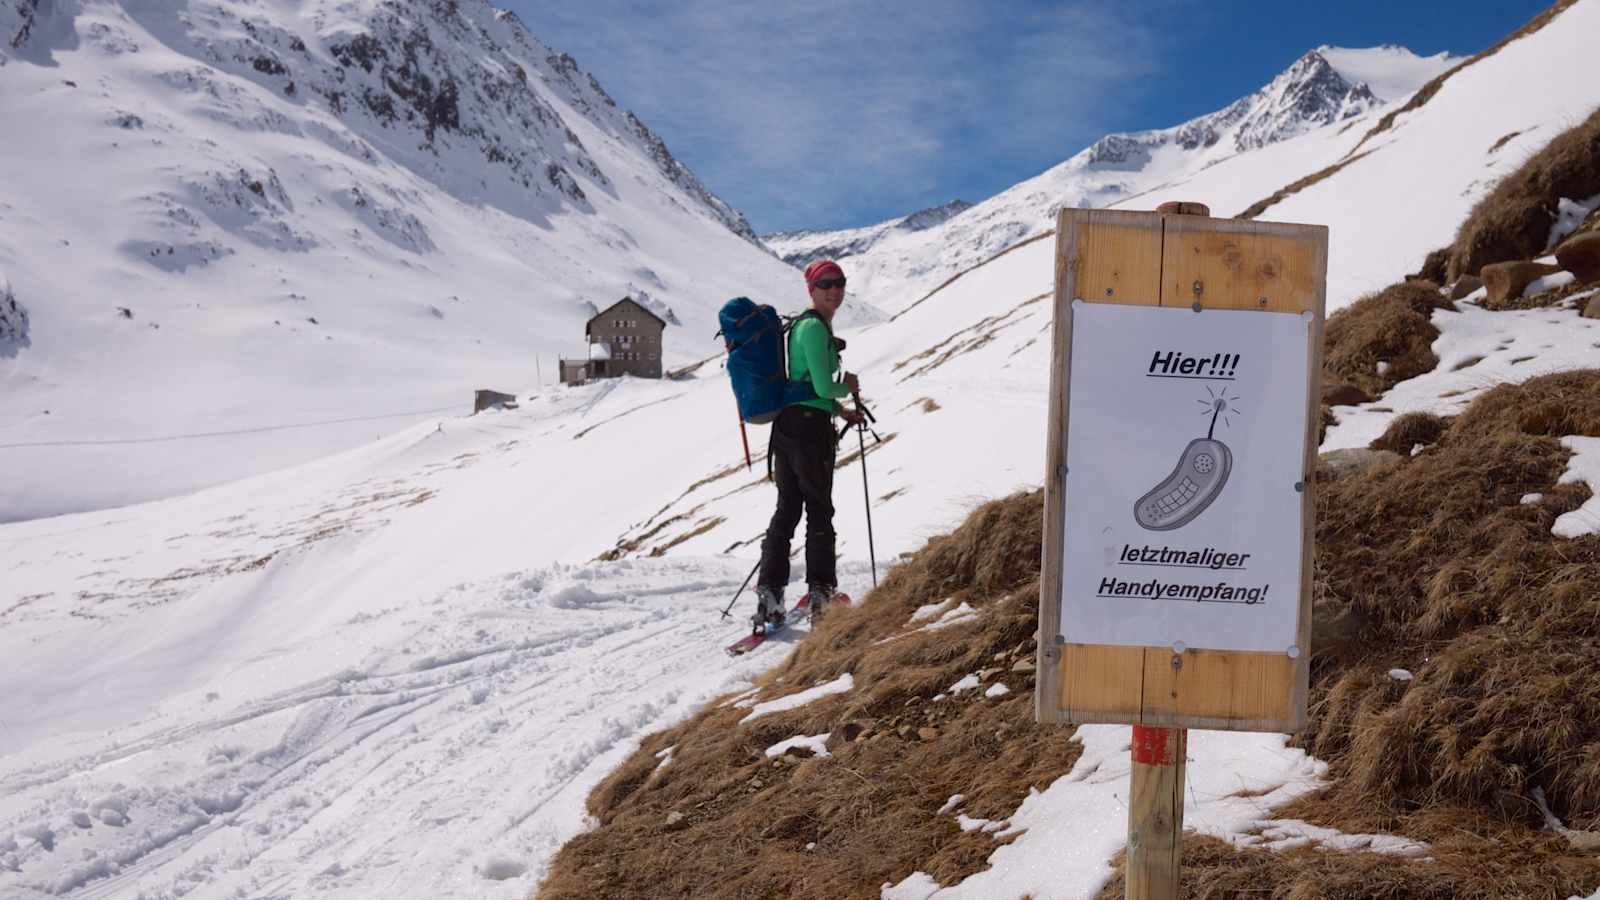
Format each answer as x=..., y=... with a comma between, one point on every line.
x=802, y=452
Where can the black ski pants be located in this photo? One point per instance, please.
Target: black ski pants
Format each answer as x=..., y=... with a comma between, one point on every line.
x=802, y=456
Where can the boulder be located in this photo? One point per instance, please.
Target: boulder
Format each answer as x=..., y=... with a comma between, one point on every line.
x=1352, y=461
x=1581, y=257
x=1507, y=280
x=1465, y=285
x=1592, y=310
x=1336, y=627
x=1339, y=393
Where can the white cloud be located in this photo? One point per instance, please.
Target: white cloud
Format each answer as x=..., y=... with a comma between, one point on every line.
x=795, y=114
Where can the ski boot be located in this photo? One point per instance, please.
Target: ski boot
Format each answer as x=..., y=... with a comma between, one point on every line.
x=817, y=599
x=769, y=610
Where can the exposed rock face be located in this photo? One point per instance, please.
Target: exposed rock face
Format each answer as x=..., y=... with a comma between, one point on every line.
x=1465, y=285
x=1338, y=393
x=1581, y=257
x=13, y=320
x=1307, y=95
x=1507, y=280
x=446, y=86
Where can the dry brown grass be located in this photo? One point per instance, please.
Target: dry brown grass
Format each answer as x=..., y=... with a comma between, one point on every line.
x=1512, y=864
x=1513, y=221
x=1390, y=326
x=1449, y=574
x=870, y=808
x=1409, y=430
x=1498, y=619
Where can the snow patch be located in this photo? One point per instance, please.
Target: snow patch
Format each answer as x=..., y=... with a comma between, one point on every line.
x=1569, y=215
x=1548, y=283
x=837, y=686
x=998, y=689
x=965, y=684
x=816, y=743
x=1283, y=834
x=1583, y=467
x=970, y=823
x=929, y=611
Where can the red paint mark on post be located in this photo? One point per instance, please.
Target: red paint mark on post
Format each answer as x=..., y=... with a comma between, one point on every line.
x=1158, y=746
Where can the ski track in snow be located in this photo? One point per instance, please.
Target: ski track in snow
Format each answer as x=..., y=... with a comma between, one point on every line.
x=472, y=742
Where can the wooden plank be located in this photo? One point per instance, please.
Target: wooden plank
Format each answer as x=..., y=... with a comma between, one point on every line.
x=1047, y=690
x=1100, y=683
x=1243, y=265
x=1102, y=256
x=1212, y=686
x=1155, y=813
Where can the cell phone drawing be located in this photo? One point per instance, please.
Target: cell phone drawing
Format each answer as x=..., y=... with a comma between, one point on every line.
x=1193, y=484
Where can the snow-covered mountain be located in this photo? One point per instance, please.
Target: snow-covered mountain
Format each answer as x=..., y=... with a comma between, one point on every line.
x=307, y=221
x=801, y=248
x=1326, y=86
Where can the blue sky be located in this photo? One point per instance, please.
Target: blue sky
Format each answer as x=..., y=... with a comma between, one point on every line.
x=837, y=113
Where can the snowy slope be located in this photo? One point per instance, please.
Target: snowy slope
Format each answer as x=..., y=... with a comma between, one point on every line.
x=800, y=248
x=322, y=215
x=1322, y=92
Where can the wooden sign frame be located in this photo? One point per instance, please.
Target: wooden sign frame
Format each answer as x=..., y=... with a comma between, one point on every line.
x=1158, y=259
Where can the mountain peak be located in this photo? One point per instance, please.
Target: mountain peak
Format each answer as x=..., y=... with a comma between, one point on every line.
x=1390, y=71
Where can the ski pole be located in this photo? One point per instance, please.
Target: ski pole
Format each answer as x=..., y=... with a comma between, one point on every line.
x=741, y=589
x=866, y=495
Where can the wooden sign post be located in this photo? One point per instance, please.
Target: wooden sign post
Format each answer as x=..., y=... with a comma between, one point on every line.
x=1176, y=583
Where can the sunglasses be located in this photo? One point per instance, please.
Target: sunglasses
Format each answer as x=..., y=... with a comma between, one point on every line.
x=828, y=284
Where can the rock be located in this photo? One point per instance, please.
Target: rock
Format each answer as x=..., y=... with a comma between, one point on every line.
x=1338, y=393
x=1025, y=664
x=928, y=734
x=1352, y=461
x=1592, y=310
x=677, y=821
x=1507, y=280
x=1464, y=285
x=850, y=732
x=782, y=761
x=1581, y=257
x=906, y=731
x=1335, y=625
x=1583, y=841
x=755, y=783
x=986, y=674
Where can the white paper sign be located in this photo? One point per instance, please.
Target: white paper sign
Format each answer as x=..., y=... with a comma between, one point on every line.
x=1185, y=442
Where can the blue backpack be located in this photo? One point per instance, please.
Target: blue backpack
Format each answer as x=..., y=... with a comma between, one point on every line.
x=755, y=336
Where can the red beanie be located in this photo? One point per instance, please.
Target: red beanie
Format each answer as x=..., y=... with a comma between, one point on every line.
x=822, y=268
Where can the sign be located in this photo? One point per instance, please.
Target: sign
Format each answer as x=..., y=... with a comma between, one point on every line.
x=1185, y=450
x=1175, y=588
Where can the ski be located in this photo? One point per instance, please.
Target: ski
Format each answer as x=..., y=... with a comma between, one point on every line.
x=798, y=612
x=803, y=608
x=747, y=643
